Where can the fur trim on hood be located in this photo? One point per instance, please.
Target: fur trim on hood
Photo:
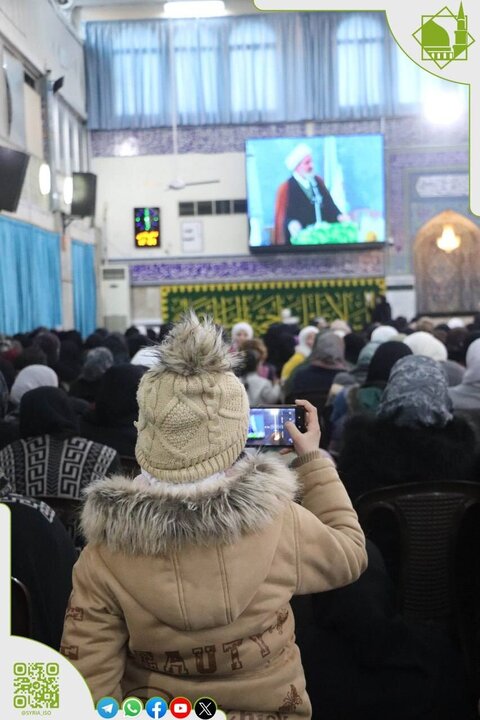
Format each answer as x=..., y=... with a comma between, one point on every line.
x=138, y=518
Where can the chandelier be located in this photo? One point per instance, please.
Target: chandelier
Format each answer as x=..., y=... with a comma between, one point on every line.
x=448, y=241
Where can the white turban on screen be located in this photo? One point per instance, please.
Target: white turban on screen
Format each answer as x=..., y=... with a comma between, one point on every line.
x=296, y=156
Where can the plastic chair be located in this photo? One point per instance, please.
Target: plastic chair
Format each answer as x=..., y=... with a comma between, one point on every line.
x=473, y=419
x=437, y=526
x=21, y=610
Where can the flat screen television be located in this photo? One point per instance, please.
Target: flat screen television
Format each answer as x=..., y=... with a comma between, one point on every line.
x=305, y=194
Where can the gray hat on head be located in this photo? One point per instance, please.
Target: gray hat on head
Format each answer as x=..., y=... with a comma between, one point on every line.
x=416, y=394
x=98, y=361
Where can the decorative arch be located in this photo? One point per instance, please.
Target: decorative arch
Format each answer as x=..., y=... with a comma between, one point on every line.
x=447, y=282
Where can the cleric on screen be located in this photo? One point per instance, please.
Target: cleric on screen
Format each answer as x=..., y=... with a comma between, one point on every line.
x=302, y=200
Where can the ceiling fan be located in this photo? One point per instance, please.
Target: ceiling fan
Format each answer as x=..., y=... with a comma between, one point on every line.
x=177, y=182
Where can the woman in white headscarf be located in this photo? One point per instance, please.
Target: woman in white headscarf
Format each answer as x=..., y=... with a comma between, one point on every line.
x=466, y=396
x=340, y=327
x=30, y=378
x=241, y=331
x=423, y=343
x=383, y=333
x=306, y=338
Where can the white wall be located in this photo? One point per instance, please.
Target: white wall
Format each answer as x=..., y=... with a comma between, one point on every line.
x=126, y=183
x=401, y=295
x=37, y=31
x=37, y=35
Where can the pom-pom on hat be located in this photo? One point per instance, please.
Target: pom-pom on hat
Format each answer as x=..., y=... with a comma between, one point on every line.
x=296, y=156
x=193, y=411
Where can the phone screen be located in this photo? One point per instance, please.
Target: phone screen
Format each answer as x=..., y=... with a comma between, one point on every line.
x=267, y=426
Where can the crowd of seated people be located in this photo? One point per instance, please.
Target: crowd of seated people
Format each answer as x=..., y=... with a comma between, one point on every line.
x=398, y=402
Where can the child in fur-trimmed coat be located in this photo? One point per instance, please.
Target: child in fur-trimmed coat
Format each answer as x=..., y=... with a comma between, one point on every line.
x=184, y=587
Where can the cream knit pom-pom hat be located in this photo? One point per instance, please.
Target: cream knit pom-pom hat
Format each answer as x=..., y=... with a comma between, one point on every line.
x=193, y=411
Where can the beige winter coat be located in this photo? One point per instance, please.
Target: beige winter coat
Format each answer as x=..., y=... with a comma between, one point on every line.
x=211, y=617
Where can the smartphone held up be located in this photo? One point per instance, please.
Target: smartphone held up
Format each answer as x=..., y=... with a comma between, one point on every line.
x=267, y=425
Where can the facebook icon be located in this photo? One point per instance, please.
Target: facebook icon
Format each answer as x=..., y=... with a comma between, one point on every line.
x=156, y=708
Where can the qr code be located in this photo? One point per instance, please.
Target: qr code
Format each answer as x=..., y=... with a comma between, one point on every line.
x=35, y=685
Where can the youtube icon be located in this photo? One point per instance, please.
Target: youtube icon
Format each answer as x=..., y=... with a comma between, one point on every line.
x=180, y=707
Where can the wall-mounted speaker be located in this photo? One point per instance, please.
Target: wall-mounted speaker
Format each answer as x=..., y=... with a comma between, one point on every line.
x=84, y=194
x=13, y=166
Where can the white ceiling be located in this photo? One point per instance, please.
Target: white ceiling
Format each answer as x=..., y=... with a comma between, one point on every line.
x=109, y=3
x=84, y=10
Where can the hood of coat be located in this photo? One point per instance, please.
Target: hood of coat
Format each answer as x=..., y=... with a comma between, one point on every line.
x=216, y=543
x=151, y=517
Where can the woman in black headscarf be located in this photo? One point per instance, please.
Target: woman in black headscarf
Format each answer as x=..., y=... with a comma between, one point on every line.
x=280, y=345
x=365, y=398
x=50, y=458
x=354, y=344
x=413, y=435
x=69, y=362
x=116, y=409
x=117, y=345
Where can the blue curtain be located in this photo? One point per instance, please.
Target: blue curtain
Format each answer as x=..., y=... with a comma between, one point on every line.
x=84, y=287
x=30, y=277
x=277, y=67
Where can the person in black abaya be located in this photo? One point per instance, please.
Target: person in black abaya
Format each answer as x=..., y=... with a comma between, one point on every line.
x=364, y=661
x=117, y=344
x=382, y=313
x=69, y=362
x=87, y=385
x=42, y=558
x=51, y=459
x=116, y=409
x=413, y=435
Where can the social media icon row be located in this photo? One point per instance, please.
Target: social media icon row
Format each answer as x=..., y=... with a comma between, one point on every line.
x=156, y=707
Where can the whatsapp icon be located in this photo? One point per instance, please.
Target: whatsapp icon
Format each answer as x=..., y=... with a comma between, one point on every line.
x=132, y=707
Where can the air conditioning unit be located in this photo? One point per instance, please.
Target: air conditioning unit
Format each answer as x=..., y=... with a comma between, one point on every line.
x=115, y=289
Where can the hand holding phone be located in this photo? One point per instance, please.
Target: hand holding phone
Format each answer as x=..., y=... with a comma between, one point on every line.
x=307, y=441
x=267, y=425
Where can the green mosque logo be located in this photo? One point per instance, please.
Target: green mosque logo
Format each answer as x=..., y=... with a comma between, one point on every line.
x=444, y=37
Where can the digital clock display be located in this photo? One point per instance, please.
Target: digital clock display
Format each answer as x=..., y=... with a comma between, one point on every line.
x=147, y=227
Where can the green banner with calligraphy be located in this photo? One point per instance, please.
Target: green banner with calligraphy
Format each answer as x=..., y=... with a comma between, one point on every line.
x=260, y=303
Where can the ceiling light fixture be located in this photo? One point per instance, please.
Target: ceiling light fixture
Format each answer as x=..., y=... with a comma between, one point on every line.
x=194, y=8
x=448, y=241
